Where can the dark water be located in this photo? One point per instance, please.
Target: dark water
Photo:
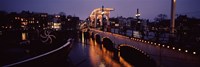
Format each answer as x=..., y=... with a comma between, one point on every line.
x=20, y=45
x=89, y=53
x=85, y=51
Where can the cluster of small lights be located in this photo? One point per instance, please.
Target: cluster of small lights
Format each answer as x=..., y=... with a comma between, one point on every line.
x=6, y=27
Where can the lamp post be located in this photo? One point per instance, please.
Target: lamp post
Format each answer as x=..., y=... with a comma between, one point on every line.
x=103, y=24
x=172, y=26
x=173, y=7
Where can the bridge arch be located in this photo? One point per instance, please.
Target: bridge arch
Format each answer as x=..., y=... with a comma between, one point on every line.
x=98, y=38
x=108, y=44
x=135, y=56
x=92, y=35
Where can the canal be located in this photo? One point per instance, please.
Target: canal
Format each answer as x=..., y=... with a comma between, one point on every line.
x=88, y=52
x=85, y=52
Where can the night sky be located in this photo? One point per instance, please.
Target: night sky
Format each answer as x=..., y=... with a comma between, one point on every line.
x=149, y=9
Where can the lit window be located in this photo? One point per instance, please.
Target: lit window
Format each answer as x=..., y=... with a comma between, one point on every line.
x=22, y=19
x=23, y=36
x=16, y=18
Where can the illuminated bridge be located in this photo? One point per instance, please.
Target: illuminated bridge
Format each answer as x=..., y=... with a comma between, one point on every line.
x=163, y=55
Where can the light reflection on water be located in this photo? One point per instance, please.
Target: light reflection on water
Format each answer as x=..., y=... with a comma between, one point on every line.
x=82, y=38
x=24, y=36
x=100, y=57
x=126, y=64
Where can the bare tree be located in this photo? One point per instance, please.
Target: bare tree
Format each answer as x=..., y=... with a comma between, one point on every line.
x=160, y=17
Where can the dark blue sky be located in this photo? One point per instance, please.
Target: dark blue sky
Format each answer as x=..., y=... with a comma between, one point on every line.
x=149, y=9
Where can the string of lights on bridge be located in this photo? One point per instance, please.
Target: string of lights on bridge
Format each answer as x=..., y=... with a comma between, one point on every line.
x=118, y=47
x=152, y=43
x=164, y=46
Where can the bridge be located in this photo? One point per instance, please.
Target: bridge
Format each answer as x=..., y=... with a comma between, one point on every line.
x=163, y=55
